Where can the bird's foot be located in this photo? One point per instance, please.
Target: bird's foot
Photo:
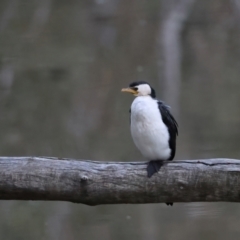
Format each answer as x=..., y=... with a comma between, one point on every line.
x=169, y=203
x=153, y=167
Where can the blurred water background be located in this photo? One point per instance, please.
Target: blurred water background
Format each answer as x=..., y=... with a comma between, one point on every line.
x=62, y=66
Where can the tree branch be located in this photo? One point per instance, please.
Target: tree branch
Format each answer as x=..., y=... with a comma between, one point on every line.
x=94, y=183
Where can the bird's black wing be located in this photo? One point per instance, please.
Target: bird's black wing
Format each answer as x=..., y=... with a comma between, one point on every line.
x=172, y=125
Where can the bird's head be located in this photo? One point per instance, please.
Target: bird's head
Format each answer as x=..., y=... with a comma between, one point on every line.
x=140, y=89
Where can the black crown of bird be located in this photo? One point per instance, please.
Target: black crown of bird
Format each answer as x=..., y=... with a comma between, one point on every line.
x=153, y=128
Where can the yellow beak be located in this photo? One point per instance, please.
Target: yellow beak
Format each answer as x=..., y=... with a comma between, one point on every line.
x=129, y=90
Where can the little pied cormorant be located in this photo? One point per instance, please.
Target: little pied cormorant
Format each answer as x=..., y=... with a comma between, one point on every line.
x=153, y=127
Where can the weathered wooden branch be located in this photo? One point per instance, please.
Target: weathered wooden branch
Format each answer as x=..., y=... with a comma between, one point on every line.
x=93, y=183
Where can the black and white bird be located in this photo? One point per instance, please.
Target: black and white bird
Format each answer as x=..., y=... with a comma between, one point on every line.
x=153, y=128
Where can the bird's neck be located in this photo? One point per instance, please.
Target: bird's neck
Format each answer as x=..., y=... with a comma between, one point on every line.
x=143, y=103
x=145, y=98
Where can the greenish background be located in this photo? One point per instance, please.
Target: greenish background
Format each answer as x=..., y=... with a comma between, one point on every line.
x=62, y=66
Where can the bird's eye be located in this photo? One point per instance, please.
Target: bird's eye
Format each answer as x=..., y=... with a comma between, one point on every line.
x=134, y=88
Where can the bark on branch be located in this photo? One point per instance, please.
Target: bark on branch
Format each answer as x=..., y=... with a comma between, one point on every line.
x=94, y=183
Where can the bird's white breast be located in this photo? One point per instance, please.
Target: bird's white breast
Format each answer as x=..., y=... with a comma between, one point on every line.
x=149, y=133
